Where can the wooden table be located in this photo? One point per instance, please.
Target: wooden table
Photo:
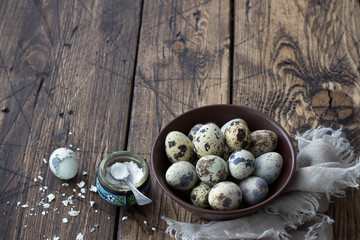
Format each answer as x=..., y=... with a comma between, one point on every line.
x=100, y=76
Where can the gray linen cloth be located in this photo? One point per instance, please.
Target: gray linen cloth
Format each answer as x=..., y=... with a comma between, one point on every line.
x=326, y=166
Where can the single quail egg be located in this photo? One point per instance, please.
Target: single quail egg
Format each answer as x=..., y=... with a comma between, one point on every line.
x=225, y=196
x=209, y=141
x=268, y=166
x=194, y=130
x=241, y=164
x=199, y=195
x=254, y=190
x=181, y=176
x=237, y=136
x=263, y=141
x=227, y=123
x=178, y=147
x=211, y=169
x=63, y=163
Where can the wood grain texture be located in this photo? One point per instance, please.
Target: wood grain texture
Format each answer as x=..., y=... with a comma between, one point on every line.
x=100, y=76
x=66, y=70
x=183, y=62
x=298, y=62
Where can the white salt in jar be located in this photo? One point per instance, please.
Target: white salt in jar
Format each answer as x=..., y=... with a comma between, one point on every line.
x=118, y=165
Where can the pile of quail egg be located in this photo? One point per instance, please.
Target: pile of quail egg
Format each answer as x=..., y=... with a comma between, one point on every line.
x=223, y=168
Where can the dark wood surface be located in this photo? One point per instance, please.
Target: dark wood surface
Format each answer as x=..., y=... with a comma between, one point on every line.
x=100, y=76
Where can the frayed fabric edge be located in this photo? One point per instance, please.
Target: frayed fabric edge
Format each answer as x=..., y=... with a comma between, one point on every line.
x=334, y=138
x=318, y=133
x=313, y=231
x=274, y=234
x=178, y=230
x=348, y=179
x=307, y=210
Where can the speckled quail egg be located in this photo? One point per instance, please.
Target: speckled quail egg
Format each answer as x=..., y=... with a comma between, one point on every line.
x=237, y=136
x=225, y=196
x=181, y=176
x=194, y=130
x=254, y=190
x=199, y=195
x=262, y=141
x=209, y=141
x=227, y=123
x=63, y=163
x=268, y=166
x=179, y=147
x=241, y=164
x=212, y=169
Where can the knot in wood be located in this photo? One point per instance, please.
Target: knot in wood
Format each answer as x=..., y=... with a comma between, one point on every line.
x=178, y=46
x=332, y=105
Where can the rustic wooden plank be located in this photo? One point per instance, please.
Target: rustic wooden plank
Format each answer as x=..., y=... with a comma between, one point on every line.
x=20, y=80
x=183, y=62
x=298, y=62
x=66, y=70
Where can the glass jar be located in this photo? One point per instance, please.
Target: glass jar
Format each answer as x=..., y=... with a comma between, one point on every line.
x=118, y=192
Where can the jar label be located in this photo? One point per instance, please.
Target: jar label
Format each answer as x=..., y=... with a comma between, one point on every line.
x=118, y=200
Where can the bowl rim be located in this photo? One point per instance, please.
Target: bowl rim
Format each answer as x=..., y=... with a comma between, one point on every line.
x=241, y=211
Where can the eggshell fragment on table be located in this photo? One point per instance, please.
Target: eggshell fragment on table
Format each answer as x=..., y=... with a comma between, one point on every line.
x=63, y=163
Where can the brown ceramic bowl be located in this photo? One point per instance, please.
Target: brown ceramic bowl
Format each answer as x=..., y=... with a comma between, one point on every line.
x=220, y=114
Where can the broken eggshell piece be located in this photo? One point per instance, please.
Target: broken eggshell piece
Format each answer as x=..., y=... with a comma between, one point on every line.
x=63, y=163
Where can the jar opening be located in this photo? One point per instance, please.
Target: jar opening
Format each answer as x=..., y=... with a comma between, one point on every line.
x=137, y=166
